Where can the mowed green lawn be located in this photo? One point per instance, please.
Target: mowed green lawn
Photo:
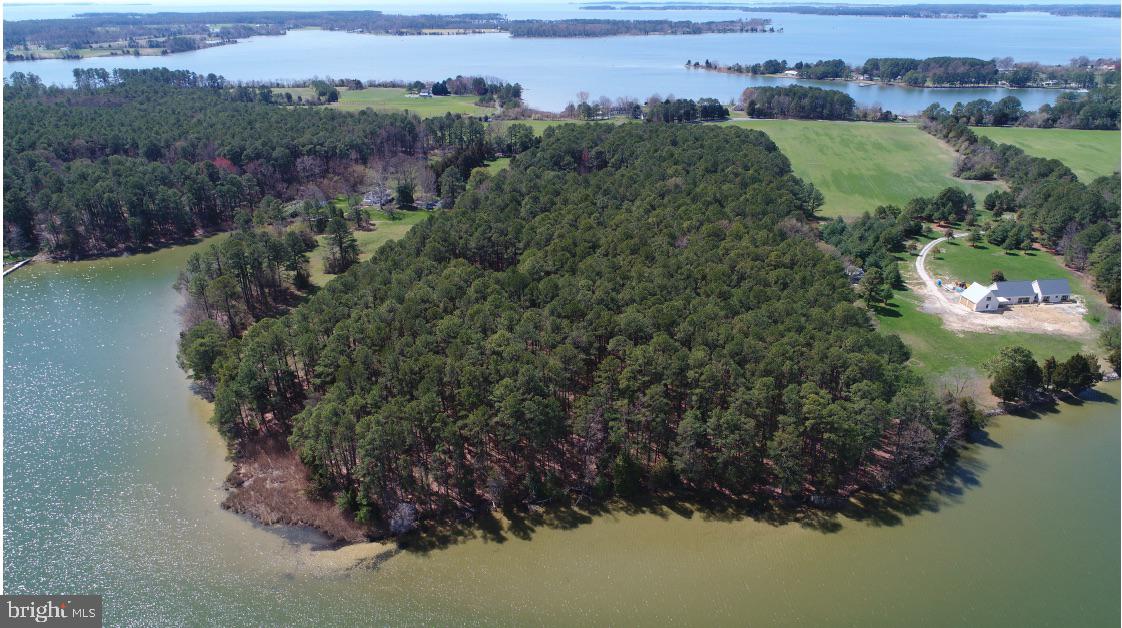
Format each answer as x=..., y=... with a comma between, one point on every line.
x=860, y=165
x=385, y=230
x=1089, y=154
x=965, y=263
x=936, y=351
x=395, y=99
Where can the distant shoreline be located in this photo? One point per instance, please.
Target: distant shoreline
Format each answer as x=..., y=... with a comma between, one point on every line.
x=873, y=83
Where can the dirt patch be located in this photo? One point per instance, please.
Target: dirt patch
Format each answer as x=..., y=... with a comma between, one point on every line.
x=270, y=484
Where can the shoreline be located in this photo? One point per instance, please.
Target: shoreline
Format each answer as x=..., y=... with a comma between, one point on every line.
x=878, y=83
x=269, y=486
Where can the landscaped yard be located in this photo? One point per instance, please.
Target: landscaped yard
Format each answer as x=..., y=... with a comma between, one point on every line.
x=395, y=99
x=860, y=165
x=1089, y=154
x=386, y=229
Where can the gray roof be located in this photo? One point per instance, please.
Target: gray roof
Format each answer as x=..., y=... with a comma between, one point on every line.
x=1014, y=289
x=1053, y=286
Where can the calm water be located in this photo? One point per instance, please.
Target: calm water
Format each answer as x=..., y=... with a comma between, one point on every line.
x=554, y=70
x=112, y=481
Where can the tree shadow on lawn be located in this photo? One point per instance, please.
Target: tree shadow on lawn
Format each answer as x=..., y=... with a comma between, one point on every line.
x=944, y=485
x=887, y=310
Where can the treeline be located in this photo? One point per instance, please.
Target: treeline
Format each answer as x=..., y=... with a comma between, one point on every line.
x=933, y=70
x=871, y=242
x=1078, y=221
x=685, y=110
x=796, y=101
x=613, y=28
x=86, y=30
x=1097, y=109
x=931, y=11
x=939, y=71
x=146, y=157
x=1016, y=376
x=958, y=71
x=489, y=92
x=818, y=70
x=629, y=308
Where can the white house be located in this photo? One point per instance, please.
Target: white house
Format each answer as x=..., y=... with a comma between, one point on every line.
x=1014, y=292
x=791, y=73
x=999, y=294
x=979, y=298
x=1052, y=290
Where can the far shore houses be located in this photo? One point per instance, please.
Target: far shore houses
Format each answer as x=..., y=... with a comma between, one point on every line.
x=1001, y=294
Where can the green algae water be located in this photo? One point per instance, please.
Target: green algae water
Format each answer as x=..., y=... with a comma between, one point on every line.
x=113, y=480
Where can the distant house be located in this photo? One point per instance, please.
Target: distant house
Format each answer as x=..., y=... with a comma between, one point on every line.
x=854, y=273
x=999, y=294
x=791, y=73
x=377, y=197
x=979, y=298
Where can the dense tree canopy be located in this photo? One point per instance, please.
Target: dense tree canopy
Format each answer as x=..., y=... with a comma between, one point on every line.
x=131, y=159
x=626, y=307
x=1095, y=109
x=796, y=101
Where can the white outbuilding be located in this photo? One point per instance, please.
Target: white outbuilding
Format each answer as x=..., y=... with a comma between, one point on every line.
x=979, y=298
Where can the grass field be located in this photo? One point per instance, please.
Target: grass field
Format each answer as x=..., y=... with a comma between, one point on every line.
x=1089, y=154
x=395, y=99
x=860, y=165
x=937, y=351
x=961, y=261
x=498, y=165
x=386, y=229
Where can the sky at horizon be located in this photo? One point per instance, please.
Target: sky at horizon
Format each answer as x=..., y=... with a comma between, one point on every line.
x=375, y=4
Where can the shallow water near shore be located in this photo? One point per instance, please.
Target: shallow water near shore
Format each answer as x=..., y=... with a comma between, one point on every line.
x=113, y=484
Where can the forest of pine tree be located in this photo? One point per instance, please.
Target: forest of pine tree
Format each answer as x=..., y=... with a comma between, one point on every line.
x=626, y=309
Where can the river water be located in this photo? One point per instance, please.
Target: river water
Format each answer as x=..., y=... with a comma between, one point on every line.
x=113, y=480
x=553, y=71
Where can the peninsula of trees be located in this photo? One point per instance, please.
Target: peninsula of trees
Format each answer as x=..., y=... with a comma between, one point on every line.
x=134, y=159
x=930, y=11
x=163, y=33
x=627, y=309
x=1080, y=73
